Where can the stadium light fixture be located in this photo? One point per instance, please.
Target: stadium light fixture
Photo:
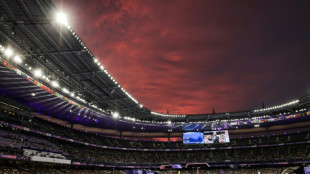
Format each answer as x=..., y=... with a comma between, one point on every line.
x=37, y=72
x=141, y=106
x=62, y=18
x=65, y=90
x=115, y=114
x=169, y=122
x=8, y=52
x=17, y=59
x=55, y=84
x=276, y=107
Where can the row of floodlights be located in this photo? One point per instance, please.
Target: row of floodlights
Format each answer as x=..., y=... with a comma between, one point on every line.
x=117, y=115
x=96, y=61
x=230, y=120
x=167, y=115
x=277, y=107
x=62, y=19
x=258, y=110
x=9, y=53
x=37, y=72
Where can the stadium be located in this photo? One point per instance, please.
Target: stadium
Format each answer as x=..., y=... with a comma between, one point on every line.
x=61, y=111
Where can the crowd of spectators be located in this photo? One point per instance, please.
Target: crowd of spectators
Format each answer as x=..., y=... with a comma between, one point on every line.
x=13, y=141
x=19, y=116
x=50, y=170
x=55, y=129
x=83, y=153
x=231, y=171
x=38, y=170
x=20, y=140
x=293, y=152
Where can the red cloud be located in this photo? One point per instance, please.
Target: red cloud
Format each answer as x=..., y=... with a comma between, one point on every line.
x=191, y=56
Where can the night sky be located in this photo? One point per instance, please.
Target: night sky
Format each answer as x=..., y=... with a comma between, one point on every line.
x=189, y=56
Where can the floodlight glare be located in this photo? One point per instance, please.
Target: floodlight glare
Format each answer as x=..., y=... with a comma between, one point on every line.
x=8, y=52
x=115, y=114
x=37, y=73
x=65, y=90
x=55, y=84
x=62, y=18
x=17, y=59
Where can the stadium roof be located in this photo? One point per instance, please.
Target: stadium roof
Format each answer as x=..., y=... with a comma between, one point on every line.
x=31, y=28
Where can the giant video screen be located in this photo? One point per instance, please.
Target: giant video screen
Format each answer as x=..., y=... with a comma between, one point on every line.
x=216, y=137
x=193, y=138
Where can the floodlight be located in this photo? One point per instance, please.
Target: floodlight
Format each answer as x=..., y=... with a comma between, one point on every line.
x=115, y=114
x=37, y=72
x=55, y=84
x=17, y=59
x=62, y=18
x=65, y=90
x=8, y=52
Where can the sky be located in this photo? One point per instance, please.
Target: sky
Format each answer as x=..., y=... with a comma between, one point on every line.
x=189, y=56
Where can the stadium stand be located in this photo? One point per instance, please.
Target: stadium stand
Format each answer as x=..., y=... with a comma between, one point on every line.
x=25, y=140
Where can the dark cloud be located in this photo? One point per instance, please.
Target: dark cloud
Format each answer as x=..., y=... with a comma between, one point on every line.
x=191, y=56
